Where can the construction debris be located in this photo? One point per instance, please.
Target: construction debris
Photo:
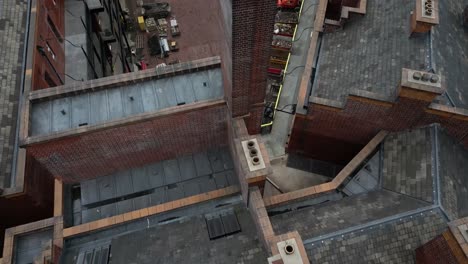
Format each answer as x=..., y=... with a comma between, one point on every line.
x=284, y=29
x=173, y=45
x=151, y=24
x=162, y=27
x=281, y=43
x=154, y=10
x=154, y=45
x=287, y=17
x=174, y=27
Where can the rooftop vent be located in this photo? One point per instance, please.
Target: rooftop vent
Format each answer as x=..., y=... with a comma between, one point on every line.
x=222, y=224
x=464, y=231
x=424, y=17
x=253, y=154
x=289, y=252
x=425, y=78
x=428, y=8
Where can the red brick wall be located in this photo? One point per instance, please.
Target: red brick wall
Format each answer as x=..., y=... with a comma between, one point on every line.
x=117, y=148
x=337, y=135
x=35, y=203
x=45, y=36
x=435, y=251
x=252, y=32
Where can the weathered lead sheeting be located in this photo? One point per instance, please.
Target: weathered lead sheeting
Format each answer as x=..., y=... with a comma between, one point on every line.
x=96, y=107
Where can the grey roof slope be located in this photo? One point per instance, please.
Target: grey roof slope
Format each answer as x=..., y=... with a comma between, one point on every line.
x=450, y=51
x=407, y=163
x=333, y=216
x=12, y=33
x=175, y=237
x=97, y=107
x=453, y=173
x=369, y=52
x=188, y=240
x=392, y=242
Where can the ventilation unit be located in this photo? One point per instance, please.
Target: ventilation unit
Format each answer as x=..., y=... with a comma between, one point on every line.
x=464, y=231
x=425, y=78
x=427, y=9
x=289, y=252
x=253, y=154
x=222, y=224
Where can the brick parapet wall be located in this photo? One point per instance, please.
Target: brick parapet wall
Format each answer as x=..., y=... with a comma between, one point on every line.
x=96, y=152
x=336, y=133
x=260, y=217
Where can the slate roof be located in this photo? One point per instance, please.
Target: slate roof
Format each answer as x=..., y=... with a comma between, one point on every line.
x=370, y=51
x=453, y=173
x=450, y=51
x=424, y=185
x=350, y=211
x=407, y=164
x=12, y=32
x=188, y=241
x=175, y=237
x=392, y=242
x=153, y=184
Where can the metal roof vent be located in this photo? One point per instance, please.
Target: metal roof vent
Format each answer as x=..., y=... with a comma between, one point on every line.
x=425, y=78
x=428, y=8
x=464, y=231
x=289, y=252
x=253, y=154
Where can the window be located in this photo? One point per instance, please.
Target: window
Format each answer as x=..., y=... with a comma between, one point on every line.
x=51, y=52
x=54, y=28
x=49, y=80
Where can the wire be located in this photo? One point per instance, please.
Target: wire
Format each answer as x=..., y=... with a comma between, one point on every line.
x=74, y=45
x=301, y=66
x=310, y=7
x=69, y=12
x=82, y=80
x=284, y=106
x=294, y=40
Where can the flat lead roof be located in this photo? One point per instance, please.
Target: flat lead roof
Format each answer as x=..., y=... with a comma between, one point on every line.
x=97, y=107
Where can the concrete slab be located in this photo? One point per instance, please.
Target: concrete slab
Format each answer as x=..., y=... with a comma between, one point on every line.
x=171, y=171
x=140, y=180
x=108, y=210
x=216, y=160
x=123, y=183
x=291, y=179
x=106, y=187
x=96, y=107
x=89, y=192
x=124, y=206
x=89, y=215
x=191, y=187
x=220, y=180
x=187, y=167
x=141, y=202
x=202, y=163
x=155, y=174
x=158, y=196
x=174, y=192
x=207, y=184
